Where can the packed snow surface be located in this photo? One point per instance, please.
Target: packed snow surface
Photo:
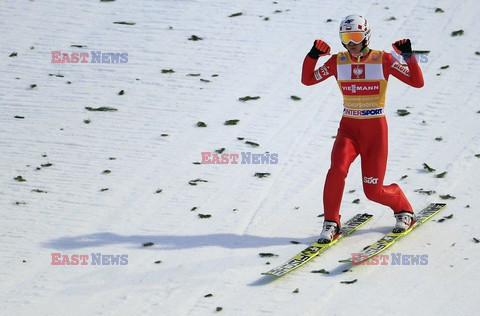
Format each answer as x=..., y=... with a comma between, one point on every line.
x=102, y=159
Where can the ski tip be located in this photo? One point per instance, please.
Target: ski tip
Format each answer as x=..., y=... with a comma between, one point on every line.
x=345, y=261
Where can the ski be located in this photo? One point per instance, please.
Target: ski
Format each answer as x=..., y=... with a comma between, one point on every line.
x=315, y=248
x=390, y=238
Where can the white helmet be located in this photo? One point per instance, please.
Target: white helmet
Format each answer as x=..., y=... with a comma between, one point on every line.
x=355, y=28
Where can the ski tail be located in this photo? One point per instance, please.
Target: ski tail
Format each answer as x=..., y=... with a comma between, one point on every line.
x=315, y=248
x=390, y=238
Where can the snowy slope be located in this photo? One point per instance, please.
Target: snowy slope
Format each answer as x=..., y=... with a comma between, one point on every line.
x=108, y=182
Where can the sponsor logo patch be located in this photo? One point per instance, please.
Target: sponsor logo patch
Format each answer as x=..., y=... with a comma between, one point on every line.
x=321, y=72
x=366, y=112
x=360, y=88
x=404, y=70
x=370, y=180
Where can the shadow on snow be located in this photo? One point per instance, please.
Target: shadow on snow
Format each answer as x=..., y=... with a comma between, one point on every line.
x=175, y=242
x=170, y=242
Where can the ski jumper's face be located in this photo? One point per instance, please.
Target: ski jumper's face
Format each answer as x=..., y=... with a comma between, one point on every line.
x=354, y=49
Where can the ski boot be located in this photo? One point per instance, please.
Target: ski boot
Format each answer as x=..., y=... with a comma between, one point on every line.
x=330, y=229
x=405, y=219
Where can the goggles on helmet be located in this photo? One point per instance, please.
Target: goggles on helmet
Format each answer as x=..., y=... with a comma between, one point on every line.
x=356, y=37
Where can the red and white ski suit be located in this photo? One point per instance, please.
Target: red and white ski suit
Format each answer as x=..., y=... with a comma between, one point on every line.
x=363, y=128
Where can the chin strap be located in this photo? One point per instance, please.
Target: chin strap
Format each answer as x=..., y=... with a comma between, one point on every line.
x=363, y=52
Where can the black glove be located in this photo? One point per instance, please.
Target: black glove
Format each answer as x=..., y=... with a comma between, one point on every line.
x=403, y=47
x=320, y=48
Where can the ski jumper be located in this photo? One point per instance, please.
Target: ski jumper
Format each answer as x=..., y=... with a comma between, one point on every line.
x=363, y=128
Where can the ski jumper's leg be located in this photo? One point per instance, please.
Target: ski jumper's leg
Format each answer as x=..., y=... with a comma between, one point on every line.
x=374, y=153
x=345, y=150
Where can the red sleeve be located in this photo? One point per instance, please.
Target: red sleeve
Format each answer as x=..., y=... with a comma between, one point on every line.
x=310, y=76
x=412, y=75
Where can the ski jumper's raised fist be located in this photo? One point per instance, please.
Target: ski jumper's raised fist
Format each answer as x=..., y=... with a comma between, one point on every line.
x=403, y=46
x=319, y=48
